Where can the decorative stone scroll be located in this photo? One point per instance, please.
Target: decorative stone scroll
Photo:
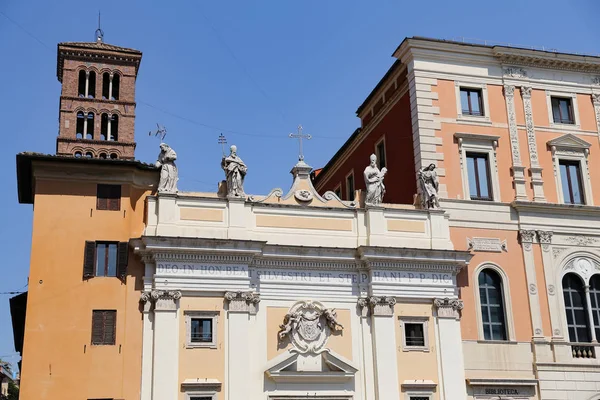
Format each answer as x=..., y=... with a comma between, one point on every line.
x=527, y=237
x=448, y=308
x=514, y=72
x=494, y=245
x=308, y=324
x=165, y=300
x=582, y=240
x=242, y=301
x=379, y=306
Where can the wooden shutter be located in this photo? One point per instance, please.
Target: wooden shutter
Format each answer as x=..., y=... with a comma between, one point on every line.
x=101, y=198
x=114, y=197
x=97, y=327
x=122, y=259
x=89, y=259
x=110, y=327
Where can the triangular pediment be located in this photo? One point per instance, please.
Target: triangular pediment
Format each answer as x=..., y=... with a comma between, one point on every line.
x=569, y=141
x=324, y=367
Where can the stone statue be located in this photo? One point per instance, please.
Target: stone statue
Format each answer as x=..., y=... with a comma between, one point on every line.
x=235, y=172
x=331, y=318
x=429, y=184
x=374, y=182
x=168, y=169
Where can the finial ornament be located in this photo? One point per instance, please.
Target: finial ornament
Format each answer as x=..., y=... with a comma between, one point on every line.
x=161, y=132
x=374, y=181
x=429, y=183
x=99, y=31
x=300, y=136
x=235, y=173
x=222, y=141
x=168, y=169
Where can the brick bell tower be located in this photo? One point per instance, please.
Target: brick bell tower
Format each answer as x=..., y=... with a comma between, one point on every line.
x=97, y=101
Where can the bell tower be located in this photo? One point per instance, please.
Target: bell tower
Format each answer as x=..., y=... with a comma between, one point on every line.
x=97, y=101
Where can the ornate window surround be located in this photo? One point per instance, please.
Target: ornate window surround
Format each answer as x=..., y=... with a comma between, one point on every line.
x=415, y=320
x=189, y=315
x=570, y=147
x=485, y=118
x=479, y=143
x=569, y=95
x=506, y=299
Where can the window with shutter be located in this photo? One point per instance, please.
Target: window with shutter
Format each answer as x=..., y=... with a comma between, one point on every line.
x=108, y=197
x=123, y=256
x=104, y=324
x=89, y=257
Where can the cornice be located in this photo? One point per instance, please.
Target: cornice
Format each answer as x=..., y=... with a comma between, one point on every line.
x=546, y=59
x=555, y=208
x=105, y=143
x=95, y=100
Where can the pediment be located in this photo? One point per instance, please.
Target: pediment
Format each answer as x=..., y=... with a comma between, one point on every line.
x=324, y=367
x=569, y=141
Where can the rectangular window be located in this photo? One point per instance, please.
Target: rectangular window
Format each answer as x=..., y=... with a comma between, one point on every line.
x=350, y=187
x=562, y=110
x=471, y=102
x=381, y=154
x=105, y=259
x=108, y=197
x=201, y=329
x=570, y=178
x=104, y=326
x=478, y=172
x=338, y=191
x=414, y=332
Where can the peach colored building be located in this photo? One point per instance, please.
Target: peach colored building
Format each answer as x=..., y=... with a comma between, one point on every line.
x=514, y=135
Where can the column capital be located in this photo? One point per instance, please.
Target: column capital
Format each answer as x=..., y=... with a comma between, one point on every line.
x=526, y=91
x=379, y=306
x=526, y=237
x=509, y=90
x=242, y=301
x=545, y=239
x=165, y=300
x=596, y=99
x=448, y=308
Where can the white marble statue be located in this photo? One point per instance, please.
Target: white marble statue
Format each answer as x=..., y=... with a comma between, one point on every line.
x=374, y=182
x=235, y=172
x=429, y=183
x=168, y=169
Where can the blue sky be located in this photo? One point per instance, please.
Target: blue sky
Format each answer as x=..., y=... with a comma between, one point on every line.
x=252, y=70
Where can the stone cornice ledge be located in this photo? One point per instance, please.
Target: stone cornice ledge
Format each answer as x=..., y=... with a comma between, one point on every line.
x=382, y=257
x=555, y=208
x=501, y=381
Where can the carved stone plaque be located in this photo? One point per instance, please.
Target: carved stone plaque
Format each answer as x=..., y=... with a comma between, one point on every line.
x=494, y=245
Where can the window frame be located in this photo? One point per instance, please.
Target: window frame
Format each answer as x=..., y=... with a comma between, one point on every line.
x=589, y=325
x=488, y=179
x=192, y=394
x=576, y=125
x=422, y=320
x=376, y=152
x=111, y=203
x=570, y=120
x=577, y=165
x=485, y=105
x=482, y=144
x=506, y=302
x=487, y=327
x=350, y=194
x=338, y=190
x=114, y=333
x=189, y=315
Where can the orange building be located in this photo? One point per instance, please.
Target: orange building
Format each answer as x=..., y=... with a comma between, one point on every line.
x=83, y=330
x=514, y=137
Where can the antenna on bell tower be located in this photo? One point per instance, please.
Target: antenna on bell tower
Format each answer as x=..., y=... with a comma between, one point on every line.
x=99, y=31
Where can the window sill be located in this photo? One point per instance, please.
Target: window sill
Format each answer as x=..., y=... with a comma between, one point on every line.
x=201, y=346
x=511, y=342
x=482, y=119
x=571, y=127
x=420, y=349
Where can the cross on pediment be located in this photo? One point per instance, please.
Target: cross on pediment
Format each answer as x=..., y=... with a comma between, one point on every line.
x=300, y=136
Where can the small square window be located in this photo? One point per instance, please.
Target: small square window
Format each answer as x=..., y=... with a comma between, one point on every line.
x=471, y=102
x=104, y=326
x=108, y=197
x=414, y=333
x=201, y=329
x=562, y=110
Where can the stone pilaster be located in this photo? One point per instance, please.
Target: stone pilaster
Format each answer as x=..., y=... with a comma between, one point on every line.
x=147, y=340
x=367, y=359
x=384, y=343
x=165, y=382
x=536, y=170
x=450, y=348
x=517, y=166
x=241, y=306
x=596, y=101
x=527, y=238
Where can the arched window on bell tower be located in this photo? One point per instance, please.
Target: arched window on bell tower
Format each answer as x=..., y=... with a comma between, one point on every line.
x=91, y=92
x=82, y=83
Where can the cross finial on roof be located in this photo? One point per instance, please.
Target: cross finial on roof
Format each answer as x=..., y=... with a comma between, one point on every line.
x=300, y=136
x=222, y=142
x=99, y=31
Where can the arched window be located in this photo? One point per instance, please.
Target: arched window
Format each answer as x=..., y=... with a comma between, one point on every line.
x=79, y=129
x=89, y=155
x=105, y=85
x=595, y=300
x=492, y=305
x=89, y=134
x=102, y=155
x=92, y=85
x=113, y=128
x=114, y=156
x=77, y=154
x=103, y=126
x=81, y=84
x=576, y=308
x=116, y=87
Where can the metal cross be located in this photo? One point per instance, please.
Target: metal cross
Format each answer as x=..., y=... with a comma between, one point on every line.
x=160, y=131
x=300, y=136
x=222, y=142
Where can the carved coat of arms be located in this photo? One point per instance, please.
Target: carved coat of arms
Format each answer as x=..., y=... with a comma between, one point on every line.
x=308, y=324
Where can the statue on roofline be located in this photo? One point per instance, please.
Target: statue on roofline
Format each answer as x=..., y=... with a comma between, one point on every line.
x=374, y=182
x=235, y=172
x=429, y=183
x=168, y=169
